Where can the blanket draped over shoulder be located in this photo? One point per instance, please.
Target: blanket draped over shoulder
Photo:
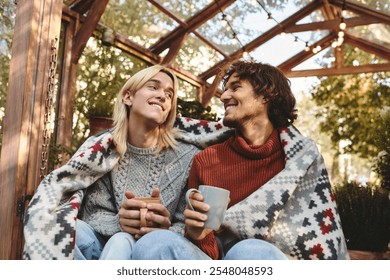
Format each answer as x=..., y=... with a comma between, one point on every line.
x=296, y=209
x=50, y=218
x=278, y=214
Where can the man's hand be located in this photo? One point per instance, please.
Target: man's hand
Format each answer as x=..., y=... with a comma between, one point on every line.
x=157, y=216
x=194, y=220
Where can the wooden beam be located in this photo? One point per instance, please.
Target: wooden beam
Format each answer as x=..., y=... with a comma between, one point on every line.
x=211, y=90
x=339, y=56
x=367, y=46
x=304, y=55
x=63, y=133
x=128, y=46
x=184, y=24
x=37, y=26
x=363, y=10
x=174, y=50
x=266, y=36
x=82, y=6
x=168, y=13
x=194, y=22
x=331, y=24
x=87, y=29
x=350, y=70
x=327, y=10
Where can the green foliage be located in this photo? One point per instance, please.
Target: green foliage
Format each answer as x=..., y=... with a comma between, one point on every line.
x=7, y=21
x=194, y=109
x=102, y=72
x=365, y=216
x=350, y=106
x=382, y=161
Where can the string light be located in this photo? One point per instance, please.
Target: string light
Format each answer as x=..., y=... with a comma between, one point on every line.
x=223, y=20
x=307, y=48
x=234, y=39
x=342, y=24
x=343, y=10
x=282, y=33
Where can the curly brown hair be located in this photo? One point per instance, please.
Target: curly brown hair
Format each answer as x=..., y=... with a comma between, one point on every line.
x=269, y=82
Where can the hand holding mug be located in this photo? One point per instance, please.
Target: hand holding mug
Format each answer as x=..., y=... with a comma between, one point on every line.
x=140, y=215
x=206, y=210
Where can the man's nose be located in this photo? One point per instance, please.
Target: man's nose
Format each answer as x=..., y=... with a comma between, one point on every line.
x=161, y=95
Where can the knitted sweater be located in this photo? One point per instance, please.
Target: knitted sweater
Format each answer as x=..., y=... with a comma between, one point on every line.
x=140, y=171
x=235, y=172
x=295, y=210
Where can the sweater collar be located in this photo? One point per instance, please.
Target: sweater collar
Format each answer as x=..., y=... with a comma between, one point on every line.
x=271, y=146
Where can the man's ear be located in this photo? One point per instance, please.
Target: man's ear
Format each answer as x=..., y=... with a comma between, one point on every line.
x=127, y=99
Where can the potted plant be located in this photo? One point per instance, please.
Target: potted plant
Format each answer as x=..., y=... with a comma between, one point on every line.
x=365, y=218
x=100, y=111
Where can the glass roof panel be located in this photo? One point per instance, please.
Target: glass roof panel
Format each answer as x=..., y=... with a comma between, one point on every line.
x=377, y=33
x=196, y=56
x=382, y=6
x=246, y=20
x=315, y=16
x=140, y=21
x=184, y=9
x=283, y=47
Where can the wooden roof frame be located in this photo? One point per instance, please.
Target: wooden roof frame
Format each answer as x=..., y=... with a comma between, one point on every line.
x=174, y=40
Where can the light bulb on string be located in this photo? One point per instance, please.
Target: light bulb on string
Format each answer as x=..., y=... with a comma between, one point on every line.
x=342, y=24
x=296, y=40
x=343, y=10
x=341, y=33
x=245, y=54
x=307, y=48
x=224, y=21
x=334, y=44
x=269, y=18
x=234, y=39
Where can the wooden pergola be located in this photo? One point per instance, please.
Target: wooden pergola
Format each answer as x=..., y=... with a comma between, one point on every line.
x=34, y=59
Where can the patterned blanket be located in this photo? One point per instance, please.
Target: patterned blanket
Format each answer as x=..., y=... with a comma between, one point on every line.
x=295, y=210
x=278, y=214
x=49, y=223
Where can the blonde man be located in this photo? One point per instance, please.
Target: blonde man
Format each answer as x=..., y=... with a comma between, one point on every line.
x=86, y=208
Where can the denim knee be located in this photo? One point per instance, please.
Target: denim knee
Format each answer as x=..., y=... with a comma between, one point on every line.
x=118, y=247
x=166, y=245
x=88, y=243
x=254, y=249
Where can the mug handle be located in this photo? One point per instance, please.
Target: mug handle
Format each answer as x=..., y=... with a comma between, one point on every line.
x=188, y=193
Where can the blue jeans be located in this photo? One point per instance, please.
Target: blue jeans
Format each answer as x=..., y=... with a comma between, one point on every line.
x=91, y=246
x=172, y=246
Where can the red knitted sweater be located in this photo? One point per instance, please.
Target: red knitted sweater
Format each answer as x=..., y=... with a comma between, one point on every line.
x=238, y=167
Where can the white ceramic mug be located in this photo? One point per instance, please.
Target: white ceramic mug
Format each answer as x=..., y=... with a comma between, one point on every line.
x=217, y=199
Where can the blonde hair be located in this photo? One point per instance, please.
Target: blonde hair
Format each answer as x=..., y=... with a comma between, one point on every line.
x=167, y=133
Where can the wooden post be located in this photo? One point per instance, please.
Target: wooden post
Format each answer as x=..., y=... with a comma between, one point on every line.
x=37, y=26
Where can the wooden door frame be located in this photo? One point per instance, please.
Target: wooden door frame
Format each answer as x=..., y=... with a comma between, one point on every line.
x=36, y=33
